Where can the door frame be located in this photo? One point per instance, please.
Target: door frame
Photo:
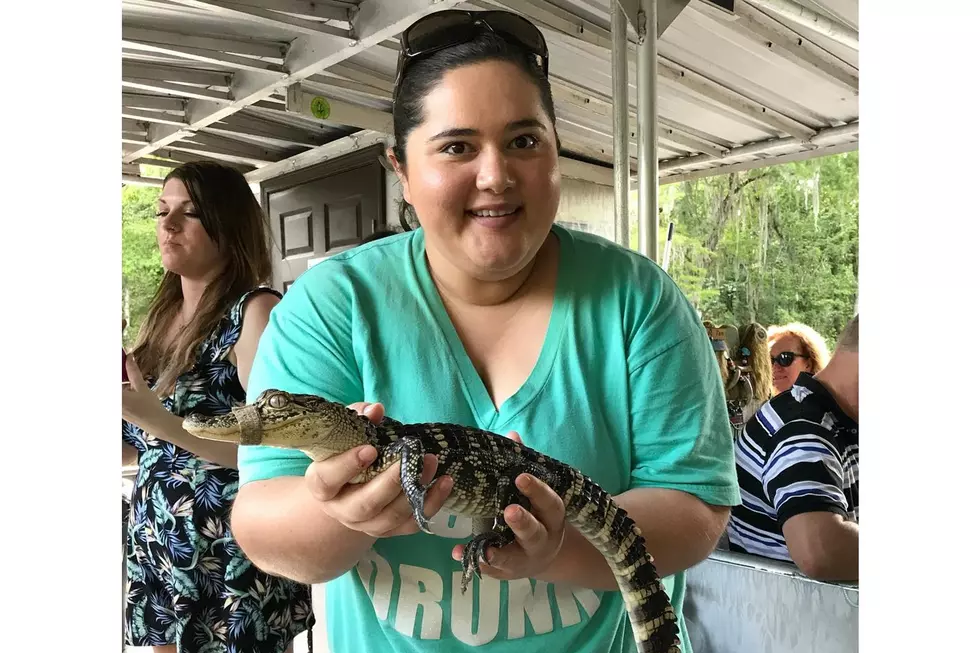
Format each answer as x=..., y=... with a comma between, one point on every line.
x=362, y=158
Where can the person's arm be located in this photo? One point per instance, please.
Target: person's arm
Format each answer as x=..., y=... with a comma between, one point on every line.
x=683, y=479
x=143, y=408
x=680, y=531
x=130, y=455
x=297, y=519
x=284, y=531
x=802, y=479
x=164, y=425
x=823, y=545
x=254, y=321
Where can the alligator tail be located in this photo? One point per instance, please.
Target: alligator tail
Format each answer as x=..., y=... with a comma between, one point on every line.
x=607, y=527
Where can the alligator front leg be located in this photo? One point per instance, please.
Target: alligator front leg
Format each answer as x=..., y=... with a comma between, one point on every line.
x=412, y=458
x=499, y=534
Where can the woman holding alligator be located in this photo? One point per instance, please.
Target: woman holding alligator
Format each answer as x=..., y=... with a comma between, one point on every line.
x=190, y=587
x=492, y=316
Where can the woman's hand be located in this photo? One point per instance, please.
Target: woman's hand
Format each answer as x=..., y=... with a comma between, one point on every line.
x=140, y=405
x=378, y=508
x=540, y=532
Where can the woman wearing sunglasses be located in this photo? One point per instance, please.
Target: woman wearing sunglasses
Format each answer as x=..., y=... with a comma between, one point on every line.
x=489, y=315
x=795, y=348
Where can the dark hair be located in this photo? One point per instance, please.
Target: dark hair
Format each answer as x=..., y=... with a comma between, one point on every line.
x=422, y=75
x=233, y=219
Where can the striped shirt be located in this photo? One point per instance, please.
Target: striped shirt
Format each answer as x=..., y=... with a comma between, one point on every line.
x=798, y=453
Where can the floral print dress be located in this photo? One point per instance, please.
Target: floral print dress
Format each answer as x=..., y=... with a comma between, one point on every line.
x=188, y=582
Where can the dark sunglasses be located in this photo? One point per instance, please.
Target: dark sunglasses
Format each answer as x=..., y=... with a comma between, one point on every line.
x=786, y=358
x=444, y=29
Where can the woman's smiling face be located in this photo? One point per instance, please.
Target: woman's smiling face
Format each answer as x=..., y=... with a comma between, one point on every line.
x=482, y=170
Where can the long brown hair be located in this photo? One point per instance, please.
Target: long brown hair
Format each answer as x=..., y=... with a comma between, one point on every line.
x=233, y=219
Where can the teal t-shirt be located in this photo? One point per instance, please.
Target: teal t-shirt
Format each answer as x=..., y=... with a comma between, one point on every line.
x=626, y=389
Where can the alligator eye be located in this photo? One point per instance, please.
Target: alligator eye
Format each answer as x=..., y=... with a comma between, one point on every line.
x=277, y=401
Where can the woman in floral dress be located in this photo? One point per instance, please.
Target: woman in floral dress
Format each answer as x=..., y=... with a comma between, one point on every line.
x=190, y=587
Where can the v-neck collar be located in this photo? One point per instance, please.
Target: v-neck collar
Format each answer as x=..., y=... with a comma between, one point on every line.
x=484, y=410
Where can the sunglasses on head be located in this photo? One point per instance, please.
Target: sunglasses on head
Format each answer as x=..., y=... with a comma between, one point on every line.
x=444, y=29
x=786, y=358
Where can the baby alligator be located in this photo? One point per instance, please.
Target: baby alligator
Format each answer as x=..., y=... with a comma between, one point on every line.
x=483, y=466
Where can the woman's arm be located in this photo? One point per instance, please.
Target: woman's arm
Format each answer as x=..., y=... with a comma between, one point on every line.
x=683, y=465
x=680, y=531
x=142, y=407
x=254, y=321
x=284, y=531
x=166, y=426
x=130, y=455
x=282, y=523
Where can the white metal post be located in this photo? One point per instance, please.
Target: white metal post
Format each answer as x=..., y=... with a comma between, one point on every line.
x=621, y=141
x=646, y=131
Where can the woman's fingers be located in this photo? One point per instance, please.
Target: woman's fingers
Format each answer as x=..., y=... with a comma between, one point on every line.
x=327, y=478
x=435, y=497
x=374, y=411
x=380, y=506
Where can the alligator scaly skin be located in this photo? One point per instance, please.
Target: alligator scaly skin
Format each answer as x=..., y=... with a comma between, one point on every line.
x=483, y=466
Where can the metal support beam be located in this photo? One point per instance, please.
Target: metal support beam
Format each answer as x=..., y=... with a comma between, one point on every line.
x=156, y=162
x=201, y=55
x=243, y=45
x=375, y=21
x=313, y=105
x=621, y=130
x=135, y=126
x=232, y=147
x=154, y=102
x=317, y=155
x=364, y=76
x=186, y=157
x=669, y=131
x=789, y=45
x=697, y=87
x=153, y=116
x=309, y=8
x=667, y=11
x=754, y=164
x=328, y=81
x=263, y=17
x=646, y=94
x=561, y=20
x=179, y=90
x=179, y=74
x=821, y=138
x=804, y=17
x=259, y=127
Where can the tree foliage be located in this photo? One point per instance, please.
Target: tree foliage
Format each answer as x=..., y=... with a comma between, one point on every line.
x=773, y=245
x=141, y=266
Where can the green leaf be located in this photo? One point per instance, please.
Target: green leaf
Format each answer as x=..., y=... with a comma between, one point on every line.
x=238, y=566
x=138, y=620
x=183, y=584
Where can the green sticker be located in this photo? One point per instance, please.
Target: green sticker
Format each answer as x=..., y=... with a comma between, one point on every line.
x=320, y=108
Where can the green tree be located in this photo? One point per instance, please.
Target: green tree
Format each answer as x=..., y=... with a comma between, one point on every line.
x=772, y=245
x=141, y=266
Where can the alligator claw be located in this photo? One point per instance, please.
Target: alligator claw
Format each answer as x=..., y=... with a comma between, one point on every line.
x=475, y=553
x=421, y=520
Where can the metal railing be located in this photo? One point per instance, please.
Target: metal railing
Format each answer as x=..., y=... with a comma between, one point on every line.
x=736, y=603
